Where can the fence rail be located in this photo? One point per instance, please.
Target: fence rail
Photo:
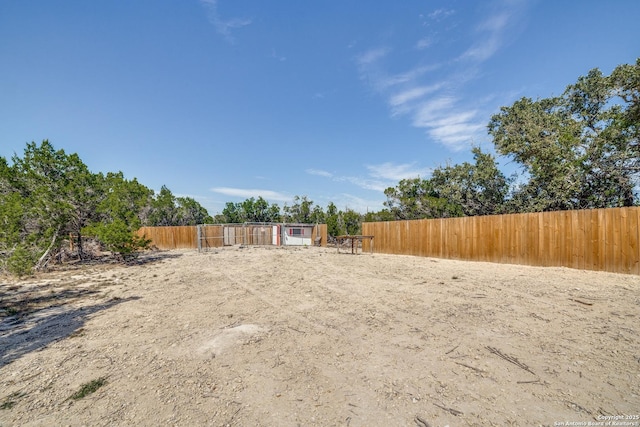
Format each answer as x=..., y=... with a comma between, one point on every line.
x=598, y=239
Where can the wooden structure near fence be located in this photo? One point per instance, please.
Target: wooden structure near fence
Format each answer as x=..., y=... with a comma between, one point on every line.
x=598, y=239
x=215, y=236
x=187, y=237
x=355, y=241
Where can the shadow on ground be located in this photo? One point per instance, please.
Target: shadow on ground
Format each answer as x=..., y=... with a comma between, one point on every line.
x=151, y=257
x=22, y=335
x=34, y=316
x=140, y=258
x=21, y=301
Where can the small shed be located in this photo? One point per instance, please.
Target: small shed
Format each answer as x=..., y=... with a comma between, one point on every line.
x=296, y=234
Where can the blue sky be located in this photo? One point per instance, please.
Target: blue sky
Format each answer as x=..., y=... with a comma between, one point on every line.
x=222, y=100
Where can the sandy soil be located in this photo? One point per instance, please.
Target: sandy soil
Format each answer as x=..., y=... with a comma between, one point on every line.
x=307, y=336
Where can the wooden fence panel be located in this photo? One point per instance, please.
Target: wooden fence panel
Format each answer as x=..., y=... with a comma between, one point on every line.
x=211, y=236
x=625, y=250
x=598, y=239
x=176, y=237
x=633, y=225
x=521, y=239
x=545, y=236
x=496, y=254
x=320, y=230
x=530, y=253
x=578, y=243
x=614, y=239
x=601, y=242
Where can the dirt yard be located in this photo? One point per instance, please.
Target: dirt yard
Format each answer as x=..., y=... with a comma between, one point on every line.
x=306, y=336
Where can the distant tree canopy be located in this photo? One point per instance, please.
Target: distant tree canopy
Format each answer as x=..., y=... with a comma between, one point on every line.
x=166, y=209
x=47, y=195
x=579, y=150
x=466, y=189
x=301, y=211
x=251, y=210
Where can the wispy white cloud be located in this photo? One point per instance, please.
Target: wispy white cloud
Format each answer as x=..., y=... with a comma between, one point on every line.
x=432, y=95
x=248, y=193
x=372, y=55
x=456, y=135
x=482, y=50
x=429, y=105
x=319, y=172
x=428, y=110
x=224, y=27
x=496, y=23
x=386, y=82
x=403, y=101
x=277, y=56
x=345, y=201
x=424, y=43
x=441, y=13
x=358, y=204
x=369, y=66
x=378, y=177
x=395, y=172
x=492, y=32
x=364, y=182
x=441, y=114
x=434, y=17
x=458, y=118
x=448, y=123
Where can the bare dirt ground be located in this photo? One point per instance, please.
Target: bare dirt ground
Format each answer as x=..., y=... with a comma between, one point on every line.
x=307, y=336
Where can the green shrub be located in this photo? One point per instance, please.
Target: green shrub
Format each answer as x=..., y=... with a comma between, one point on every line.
x=21, y=262
x=118, y=238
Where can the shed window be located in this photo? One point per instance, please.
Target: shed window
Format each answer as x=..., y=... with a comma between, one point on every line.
x=296, y=232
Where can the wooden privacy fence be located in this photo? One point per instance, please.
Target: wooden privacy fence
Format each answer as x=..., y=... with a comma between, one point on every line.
x=186, y=237
x=598, y=239
x=174, y=237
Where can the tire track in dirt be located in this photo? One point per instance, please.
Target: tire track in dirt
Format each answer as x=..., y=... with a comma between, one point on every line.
x=322, y=362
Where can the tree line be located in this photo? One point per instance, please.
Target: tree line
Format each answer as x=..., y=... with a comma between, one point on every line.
x=578, y=150
x=47, y=196
x=301, y=211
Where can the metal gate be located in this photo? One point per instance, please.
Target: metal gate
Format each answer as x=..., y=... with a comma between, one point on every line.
x=215, y=236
